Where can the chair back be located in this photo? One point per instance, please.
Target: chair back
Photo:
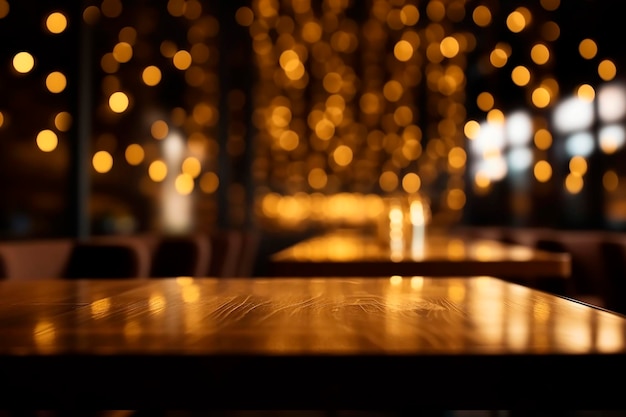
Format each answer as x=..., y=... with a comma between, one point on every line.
x=35, y=259
x=186, y=255
x=98, y=259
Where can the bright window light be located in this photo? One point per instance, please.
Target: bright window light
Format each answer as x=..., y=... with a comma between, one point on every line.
x=573, y=114
x=519, y=159
x=579, y=144
x=611, y=138
x=612, y=102
x=490, y=139
x=494, y=168
x=519, y=128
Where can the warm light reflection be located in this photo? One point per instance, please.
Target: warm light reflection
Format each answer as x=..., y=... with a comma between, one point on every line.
x=541, y=97
x=455, y=249
x=44, y=334
x=156, y=303
x=542, y=171
x=100, y=308
x=118, y=102
x=209, y=182
x=518, y=327
x=498, y=58
x=482, y=16
x=191, y=166
x=457, y=292
x=541, y=311
x=578, y=165
x=487, y=250
x=550, y=5
x=244, y=16
x=395, y=280
x=521, y=253
x=516, y=22
x=543, y=139
x=488, y=305
x=396, y=228
x=62, y=121
x=182, y=60
x=570, y=334
x=157, y=171
x=159, y=129
x=132, y=330
x=417, y=283
x=151, y=75
x=56, y=22
x=23, y=62
x=134, y=154
x=521, y=76
x=472, y=129
x=610, y=336
x=610, y=180
x=47, y=140
x=607, y=70
x=122, y=52
x=190, y=293
x=4, y=8
x=574, y=183
x=449, y=47
x=418, y=215
x=184, y=183
x=56, y=82
x=102, y=162
x=184, y=281
x=540, y=54
x=586, y=92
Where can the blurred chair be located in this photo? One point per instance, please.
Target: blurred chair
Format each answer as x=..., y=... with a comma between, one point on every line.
x=36, y=259
x=614, y=258
x=226, y=246
x=108, y=257
x=587, y=282
x=184, y=255
x=481, y=232
x=248, y=253
x=3, y=270
x=527, y=236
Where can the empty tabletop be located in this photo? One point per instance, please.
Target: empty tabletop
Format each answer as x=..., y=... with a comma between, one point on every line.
x=445, y=342
x=354, y=253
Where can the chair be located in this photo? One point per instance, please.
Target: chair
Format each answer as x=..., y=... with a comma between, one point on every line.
x=3, y=271
x=587, y=282
x=102, y=258
x=248, y=253
x=185, y=255
x=226, y=246
x=614, y=258
x=35, y=259
x=526, y=236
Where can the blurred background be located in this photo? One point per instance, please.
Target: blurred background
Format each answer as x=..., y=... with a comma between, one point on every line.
x=287, y=116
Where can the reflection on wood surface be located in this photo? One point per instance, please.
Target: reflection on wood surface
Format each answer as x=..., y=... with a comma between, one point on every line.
x=298, y=315
x=353, y=253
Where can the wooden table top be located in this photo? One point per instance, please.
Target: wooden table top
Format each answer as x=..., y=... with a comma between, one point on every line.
x=353, y=253
x=447, y=343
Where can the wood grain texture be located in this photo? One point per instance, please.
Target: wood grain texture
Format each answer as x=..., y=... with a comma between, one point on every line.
x=458, y=342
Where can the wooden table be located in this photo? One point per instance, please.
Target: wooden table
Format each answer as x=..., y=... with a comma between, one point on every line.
x=353, y=253
x=379, y=343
